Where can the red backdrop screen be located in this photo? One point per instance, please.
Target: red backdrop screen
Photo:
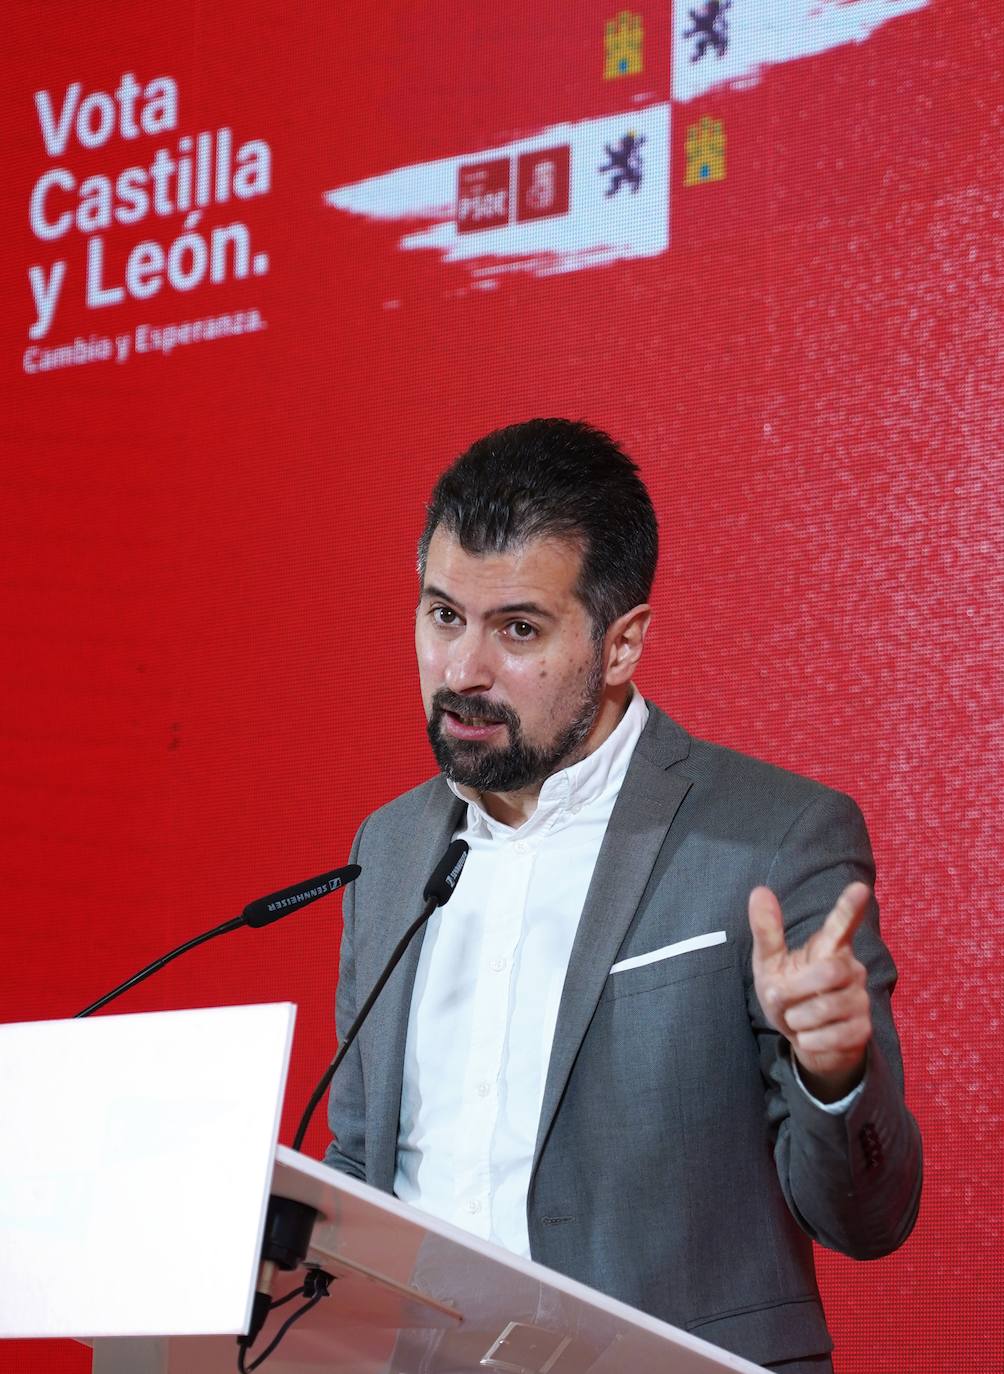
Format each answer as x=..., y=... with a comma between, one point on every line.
x=269, y=268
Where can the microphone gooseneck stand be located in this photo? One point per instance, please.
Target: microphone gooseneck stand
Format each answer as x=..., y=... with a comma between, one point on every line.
x=288, y=1228
x=256, y=914
x=288, y=1223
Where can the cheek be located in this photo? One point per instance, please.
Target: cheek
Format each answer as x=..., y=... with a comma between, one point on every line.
x=429, y=666
x=542, y=688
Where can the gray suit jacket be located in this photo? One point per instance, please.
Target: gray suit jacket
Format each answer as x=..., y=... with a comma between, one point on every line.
x=678, y=1165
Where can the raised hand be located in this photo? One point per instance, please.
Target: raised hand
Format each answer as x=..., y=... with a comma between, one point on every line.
x=816, y=995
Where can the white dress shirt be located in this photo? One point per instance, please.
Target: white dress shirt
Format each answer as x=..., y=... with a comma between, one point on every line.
x=486, y=997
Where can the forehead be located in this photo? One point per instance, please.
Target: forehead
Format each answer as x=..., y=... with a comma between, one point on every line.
x=542, y=571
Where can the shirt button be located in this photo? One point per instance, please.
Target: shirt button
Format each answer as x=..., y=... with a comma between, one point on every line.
x=521, y=846
x=575, y=810
x=497, y=964
x=484, y=1089
x=474, y=1206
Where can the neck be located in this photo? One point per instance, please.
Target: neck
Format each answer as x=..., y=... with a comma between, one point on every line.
x=516, y=808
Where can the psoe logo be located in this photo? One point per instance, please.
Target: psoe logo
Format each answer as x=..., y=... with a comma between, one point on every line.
x=485, y=197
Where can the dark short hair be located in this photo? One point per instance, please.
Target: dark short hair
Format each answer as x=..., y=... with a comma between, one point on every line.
x=557, y=479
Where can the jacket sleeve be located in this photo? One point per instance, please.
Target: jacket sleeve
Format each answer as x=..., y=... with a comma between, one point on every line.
x=347, y=1098
x=851, y=1180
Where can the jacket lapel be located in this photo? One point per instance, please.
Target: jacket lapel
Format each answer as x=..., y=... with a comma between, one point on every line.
x=649, y=800
x=388, y=1021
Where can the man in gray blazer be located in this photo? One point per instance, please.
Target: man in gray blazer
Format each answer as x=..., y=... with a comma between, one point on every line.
x=649, y=1041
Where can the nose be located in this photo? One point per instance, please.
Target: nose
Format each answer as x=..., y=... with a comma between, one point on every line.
x=468, y=665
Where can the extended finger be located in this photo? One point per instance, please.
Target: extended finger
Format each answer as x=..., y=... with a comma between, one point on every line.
x=766, y=924
x=839, y=927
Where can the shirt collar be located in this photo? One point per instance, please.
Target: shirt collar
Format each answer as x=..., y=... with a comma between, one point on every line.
x=565, y=793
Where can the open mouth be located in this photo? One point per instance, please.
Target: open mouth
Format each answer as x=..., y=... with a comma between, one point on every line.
x=469, y=728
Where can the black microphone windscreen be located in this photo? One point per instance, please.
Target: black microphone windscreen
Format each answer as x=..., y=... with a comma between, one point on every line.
x=446, y=874
x=278, y=904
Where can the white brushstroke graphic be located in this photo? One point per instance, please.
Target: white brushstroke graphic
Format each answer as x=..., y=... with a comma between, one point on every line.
x=763, y=33
x=598, y=227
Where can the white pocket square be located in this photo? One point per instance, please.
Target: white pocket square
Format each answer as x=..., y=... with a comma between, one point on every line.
x=716, y=937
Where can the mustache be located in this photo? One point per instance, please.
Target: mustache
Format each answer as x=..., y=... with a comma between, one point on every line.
x=473, y=710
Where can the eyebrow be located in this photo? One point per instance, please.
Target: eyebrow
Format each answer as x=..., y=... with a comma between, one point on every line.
x=511, y=608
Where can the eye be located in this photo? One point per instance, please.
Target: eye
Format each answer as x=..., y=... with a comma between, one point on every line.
x=521, y=631
x=444, y=615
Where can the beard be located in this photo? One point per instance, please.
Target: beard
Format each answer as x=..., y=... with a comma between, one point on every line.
x=518, y=763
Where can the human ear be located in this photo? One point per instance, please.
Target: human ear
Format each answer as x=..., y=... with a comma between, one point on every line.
x=623, y=643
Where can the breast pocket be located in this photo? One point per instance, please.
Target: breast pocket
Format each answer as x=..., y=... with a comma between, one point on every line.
x=678, y=963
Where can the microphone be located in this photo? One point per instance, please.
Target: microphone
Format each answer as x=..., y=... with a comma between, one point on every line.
x=446, y=875
x=437, y=891
x=278, y=904
x=256, y=914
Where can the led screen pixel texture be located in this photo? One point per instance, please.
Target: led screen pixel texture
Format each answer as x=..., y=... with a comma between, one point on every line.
x=375, y=233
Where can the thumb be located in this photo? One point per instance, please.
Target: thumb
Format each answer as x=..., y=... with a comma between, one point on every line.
x=766, y=924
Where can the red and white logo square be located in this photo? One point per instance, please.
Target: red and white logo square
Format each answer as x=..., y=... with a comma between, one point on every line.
x=483, y=195
x=542, y=182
